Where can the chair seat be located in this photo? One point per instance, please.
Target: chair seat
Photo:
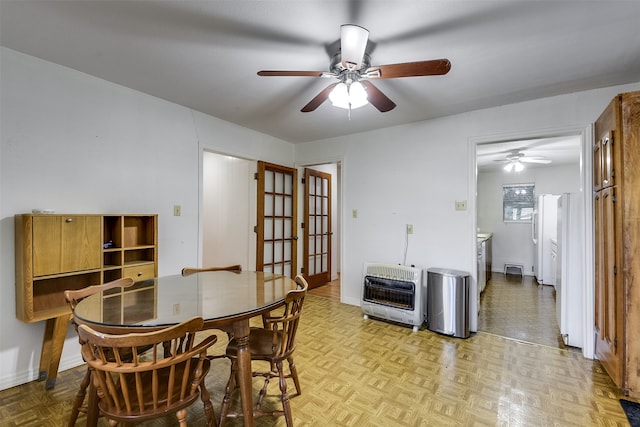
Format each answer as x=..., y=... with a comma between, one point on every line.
x=150, y=412
x=260, y=344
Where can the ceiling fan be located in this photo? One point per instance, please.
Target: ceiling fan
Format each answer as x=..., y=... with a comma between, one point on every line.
x=515, y=159
x=351, y=67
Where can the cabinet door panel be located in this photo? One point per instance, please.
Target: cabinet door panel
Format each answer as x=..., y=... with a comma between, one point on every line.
x=63, y=244
x=608, y=295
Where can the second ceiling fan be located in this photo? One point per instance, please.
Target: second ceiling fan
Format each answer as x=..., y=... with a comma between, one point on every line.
x=351, y=67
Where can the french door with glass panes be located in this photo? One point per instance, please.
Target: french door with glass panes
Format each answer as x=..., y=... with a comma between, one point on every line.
x=317, y=227
x=276, y=247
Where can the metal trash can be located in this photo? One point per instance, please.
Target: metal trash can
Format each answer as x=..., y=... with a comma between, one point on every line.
x=447, y=302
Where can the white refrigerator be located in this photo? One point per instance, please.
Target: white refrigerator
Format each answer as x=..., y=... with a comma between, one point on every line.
x=569, y=299
x=543, y=229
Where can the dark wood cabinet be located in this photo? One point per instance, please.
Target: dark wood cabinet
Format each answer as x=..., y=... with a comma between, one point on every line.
x=617, y=240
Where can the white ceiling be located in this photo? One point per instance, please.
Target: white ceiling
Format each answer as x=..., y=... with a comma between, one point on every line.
x=562, y=150
x=205, y=54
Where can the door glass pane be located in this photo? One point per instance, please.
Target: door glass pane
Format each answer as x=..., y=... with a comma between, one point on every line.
x=287, y=228
x=268, y=205
x=312, y=185
x=277, y=251
x=288, y=184
x=277, y=269
x=278, y=232
x=268, y=181
x=287, y=250
x=278, y=206
x=279, y=187
x=325, y=187
x=325, y=243
x=288, y=206
x=318, y=264
x=312, y=266
x=325, y=206
x=268, y=228
x=287, y=269
x=312, y=205
x=268, y=252
x=267, y=269
x=319, y=228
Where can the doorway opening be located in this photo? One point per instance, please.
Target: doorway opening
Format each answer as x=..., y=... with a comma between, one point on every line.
x=514, y=305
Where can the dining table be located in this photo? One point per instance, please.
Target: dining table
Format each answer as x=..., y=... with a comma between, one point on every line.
x=226, y=300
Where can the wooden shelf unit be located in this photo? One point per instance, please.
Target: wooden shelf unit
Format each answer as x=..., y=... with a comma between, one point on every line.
x=56, y=252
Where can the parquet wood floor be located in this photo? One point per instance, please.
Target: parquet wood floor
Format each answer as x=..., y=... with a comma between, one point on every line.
x=357, y=372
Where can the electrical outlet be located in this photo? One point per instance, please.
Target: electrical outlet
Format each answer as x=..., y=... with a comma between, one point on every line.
x=177, y=210
x=409, y=228
x=461, y=205
x=176, y=309
x=354, y=213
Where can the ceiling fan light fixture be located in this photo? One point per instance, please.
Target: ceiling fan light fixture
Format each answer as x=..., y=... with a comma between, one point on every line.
x=514, y=165
x=348, y=96
x=353, y=43
x=518, y=167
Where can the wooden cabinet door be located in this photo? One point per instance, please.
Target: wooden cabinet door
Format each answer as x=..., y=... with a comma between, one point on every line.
x=63, y=244
x=609, y=308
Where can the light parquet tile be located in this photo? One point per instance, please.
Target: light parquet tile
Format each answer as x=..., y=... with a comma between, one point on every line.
x=357, y=372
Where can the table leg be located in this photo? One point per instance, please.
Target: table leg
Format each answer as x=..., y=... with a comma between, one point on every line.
x=54, y=334
x=241, y=335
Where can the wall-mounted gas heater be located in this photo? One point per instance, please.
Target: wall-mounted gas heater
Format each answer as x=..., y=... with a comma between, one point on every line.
x=393, y=292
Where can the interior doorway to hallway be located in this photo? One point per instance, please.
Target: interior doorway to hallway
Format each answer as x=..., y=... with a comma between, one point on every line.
x=229, y=207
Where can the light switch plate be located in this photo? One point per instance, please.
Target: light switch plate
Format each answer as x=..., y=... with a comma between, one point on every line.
x=461, y=205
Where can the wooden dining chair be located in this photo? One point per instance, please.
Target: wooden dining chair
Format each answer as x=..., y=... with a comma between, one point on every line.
x=274, y=344
x=73, y=297
x=154, y=384
x=190, y=270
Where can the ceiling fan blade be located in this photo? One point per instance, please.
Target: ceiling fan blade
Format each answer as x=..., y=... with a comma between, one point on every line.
x=377, y=98
x=433, y=67
x=318, y=99
x=532, y=160
x=270, y=73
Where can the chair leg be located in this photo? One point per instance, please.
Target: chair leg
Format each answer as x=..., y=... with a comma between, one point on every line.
x=208, y=407
x=294, y=374
x=231, y=385
x=181, y=415
x=79, y=400
x=285, y=397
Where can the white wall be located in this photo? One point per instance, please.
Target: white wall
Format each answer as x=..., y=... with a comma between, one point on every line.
x=78, y=144
x=511, y=240
x=229, y=211
x=417, y=178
